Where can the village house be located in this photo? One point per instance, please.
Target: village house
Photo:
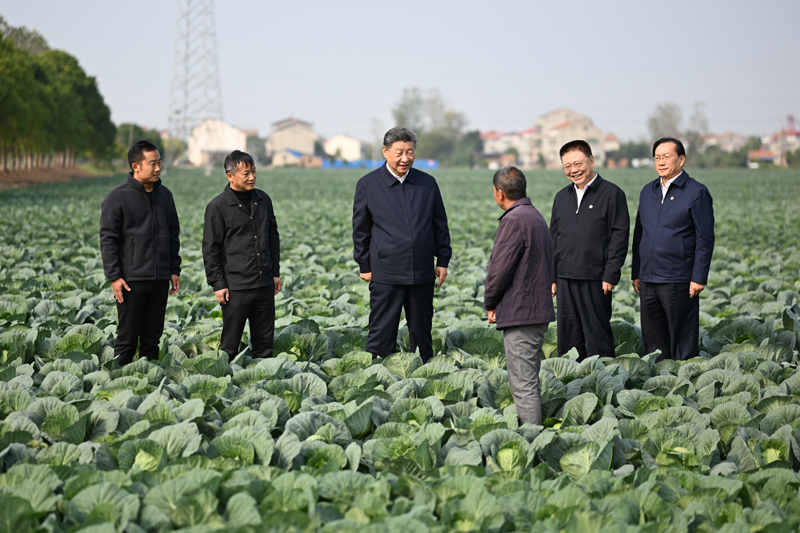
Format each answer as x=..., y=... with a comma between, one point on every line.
x=291, y=134
x=343, y=147
x=212, y=140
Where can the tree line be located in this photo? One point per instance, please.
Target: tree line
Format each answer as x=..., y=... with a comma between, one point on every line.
x=50, y=111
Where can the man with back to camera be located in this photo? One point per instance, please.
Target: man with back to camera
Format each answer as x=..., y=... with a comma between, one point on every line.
x=139, y=243
x=399, y=226
x=590, y=227
x=241, y=254
x=517, y=289
x=673, y=240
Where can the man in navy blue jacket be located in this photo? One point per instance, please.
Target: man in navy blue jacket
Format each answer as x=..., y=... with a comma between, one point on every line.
x=672, y=245
x=399, y=226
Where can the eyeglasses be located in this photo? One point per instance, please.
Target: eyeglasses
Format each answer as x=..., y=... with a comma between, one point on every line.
x=577, y=166
x=664, y=158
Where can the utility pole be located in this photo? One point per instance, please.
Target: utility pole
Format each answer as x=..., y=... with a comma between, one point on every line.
x=195, y=94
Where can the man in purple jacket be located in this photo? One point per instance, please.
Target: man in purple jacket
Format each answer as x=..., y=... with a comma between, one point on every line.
x=517, y=293
x=399, y=227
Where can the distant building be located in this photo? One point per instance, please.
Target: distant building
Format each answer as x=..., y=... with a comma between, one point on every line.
x=727, y=142
x=291, y=134
x=557, y=128
x=212, y=140
x=786, y=140
x=293, y=158
x=496, y=144
x=343, y=147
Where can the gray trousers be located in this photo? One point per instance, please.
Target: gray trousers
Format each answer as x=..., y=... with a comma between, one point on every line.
x=524, y=358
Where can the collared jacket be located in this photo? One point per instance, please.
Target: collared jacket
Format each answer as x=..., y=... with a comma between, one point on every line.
x=398, y=228
x=518, y=282
x=590, y=242
x=241, y=249
x=139, y=233
x=673, y=238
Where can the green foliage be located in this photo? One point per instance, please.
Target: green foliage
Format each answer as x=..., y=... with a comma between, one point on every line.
x=323, y=437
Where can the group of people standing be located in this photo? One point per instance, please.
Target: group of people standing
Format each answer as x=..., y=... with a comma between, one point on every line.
x=402, y=247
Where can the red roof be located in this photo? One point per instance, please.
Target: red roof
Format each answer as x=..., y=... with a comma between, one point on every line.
x=761, y=153
x=562, y=125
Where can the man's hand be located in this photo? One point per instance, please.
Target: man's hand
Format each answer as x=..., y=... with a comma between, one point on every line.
x=223, y=295
x=441, y=273
x=117, y=285
x=492, y=316
x=366, y=276
x=278, y=285
x=607, y=288
x=176, y=283
x=695, y=289
x=636, y=285
x=553, y=289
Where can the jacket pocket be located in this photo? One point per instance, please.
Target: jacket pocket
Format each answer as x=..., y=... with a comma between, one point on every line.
x=133, y=252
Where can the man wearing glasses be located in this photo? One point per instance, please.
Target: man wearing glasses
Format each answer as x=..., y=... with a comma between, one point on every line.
x=589, y=228
x=673, y=240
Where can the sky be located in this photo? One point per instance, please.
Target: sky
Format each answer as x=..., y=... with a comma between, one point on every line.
x=341, y=65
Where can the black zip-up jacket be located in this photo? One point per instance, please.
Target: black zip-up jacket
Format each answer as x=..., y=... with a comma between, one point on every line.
x=139, y=233
x=398, y=228
x=241, y=249
x=518, y=277
x=590, y=243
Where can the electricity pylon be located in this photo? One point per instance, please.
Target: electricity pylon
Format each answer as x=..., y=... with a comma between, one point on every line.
x=194, y=94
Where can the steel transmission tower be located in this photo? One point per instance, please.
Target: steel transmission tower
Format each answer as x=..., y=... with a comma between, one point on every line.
x=194, y=94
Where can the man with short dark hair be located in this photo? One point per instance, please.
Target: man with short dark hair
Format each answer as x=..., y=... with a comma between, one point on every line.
x=139, y=243
x=399, y=227
x=673, y=241
x=590, y=227
x=242, y=253
x=517, y=289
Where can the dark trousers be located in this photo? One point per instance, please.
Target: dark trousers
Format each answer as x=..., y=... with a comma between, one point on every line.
x=670, y=320
x=141, y=320
x=257, y=306
x=386, y=302
x=583, y=318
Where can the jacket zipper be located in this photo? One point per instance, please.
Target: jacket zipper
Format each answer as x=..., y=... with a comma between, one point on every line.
x=658, y=224
x=153, y=229
x=411, y=233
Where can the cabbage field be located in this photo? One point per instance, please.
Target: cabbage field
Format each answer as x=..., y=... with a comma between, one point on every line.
x=321, y=438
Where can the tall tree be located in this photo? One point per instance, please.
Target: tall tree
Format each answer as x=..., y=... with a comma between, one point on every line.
x=665, y=121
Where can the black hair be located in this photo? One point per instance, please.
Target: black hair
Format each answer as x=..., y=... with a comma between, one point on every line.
x=136, y=153
x=236, y=157
x=678, y=145
x=399, y=134
x=511, y=181
x=580, y=145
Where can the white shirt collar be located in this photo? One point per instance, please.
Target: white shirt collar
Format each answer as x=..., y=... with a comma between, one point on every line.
x=664, y=186
x=585, y=186
x=401, y=179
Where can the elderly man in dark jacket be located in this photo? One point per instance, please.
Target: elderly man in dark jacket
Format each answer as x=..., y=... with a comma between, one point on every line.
x=589, y=226
x=399, y=226
x=672, y=245
x=139, y=243
x=242, y=253
x=517, y=289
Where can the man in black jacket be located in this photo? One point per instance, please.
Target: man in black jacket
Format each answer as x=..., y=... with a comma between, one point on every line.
x=139, y=243
x=517, y=289
x=242, y=253
x=399, y=226
x=590, y=227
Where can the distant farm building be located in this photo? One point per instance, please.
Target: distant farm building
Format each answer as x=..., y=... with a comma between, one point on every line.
x=291, y=134
x=293, y=158
x=213, y=140
x=343, y=147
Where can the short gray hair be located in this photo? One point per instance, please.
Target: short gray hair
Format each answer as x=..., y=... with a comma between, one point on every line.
x=399, y=134
x=511, y=181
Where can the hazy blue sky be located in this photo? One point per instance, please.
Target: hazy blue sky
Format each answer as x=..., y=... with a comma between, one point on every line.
x=503, y=63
